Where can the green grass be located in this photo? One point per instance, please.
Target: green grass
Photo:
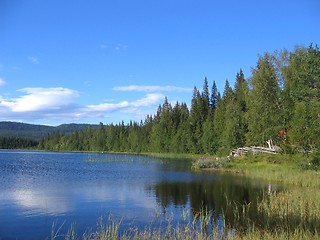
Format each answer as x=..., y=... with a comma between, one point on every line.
x=289, y=170
x=294, y=211
x=110, y=229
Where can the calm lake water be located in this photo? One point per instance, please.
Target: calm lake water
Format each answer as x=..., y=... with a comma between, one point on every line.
x=38, y=189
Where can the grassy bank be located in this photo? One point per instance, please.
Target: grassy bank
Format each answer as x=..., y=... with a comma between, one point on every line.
x=288, y=169
x=291, y=212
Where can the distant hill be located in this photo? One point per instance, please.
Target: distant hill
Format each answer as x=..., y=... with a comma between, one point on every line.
x=36, y=132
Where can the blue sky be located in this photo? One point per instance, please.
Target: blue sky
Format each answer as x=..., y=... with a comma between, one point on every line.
x=107, y=61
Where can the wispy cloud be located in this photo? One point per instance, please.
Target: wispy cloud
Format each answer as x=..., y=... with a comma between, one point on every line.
x=33, y=59
x=106, y=107
x=103, y=46
x=38, y=99
x=120, y=47
x=149, y=100
x=123, y=106
x=144, y=88
x=60, y=104
x=2, y=82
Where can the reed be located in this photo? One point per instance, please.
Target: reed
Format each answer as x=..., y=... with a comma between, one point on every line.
x=201, y=227
x=192, y=230
x=291, y=209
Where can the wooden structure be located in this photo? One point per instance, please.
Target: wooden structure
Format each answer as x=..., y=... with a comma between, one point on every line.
x=272, y=149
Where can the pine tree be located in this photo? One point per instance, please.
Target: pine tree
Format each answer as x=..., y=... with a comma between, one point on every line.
x=205, y=101
x=214, y=98
x=162, y=128
x=240, y=109
x=283, y=93
x=222, y=122
x=196, y=121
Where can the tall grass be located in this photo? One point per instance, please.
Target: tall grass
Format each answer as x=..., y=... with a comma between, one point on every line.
x=292, y=209
x=202, y=227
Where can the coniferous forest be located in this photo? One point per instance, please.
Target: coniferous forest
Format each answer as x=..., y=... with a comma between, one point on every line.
x=280, y=100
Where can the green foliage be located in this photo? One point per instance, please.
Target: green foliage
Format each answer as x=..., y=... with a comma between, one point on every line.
x=23, y=130
x=263, y=102
x=313, y=163
x=302, y=88
x=305, y=125
x=17, y=143
x=208, y=138
x=215, y=163
x=283, y=93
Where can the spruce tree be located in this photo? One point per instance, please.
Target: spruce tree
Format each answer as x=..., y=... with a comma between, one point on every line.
x=240, y=109
x=205, y=101
x=224, y=122
x=196, y=121
x=214, y=98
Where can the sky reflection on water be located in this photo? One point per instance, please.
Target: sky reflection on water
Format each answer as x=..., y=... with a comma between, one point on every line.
x=40, y=188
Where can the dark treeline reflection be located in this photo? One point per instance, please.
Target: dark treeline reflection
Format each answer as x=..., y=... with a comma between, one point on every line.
x=225, y=197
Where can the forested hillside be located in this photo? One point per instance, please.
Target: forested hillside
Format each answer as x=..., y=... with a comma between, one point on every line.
x=17, y=143
x=280, y=100
x=15, y=135
x=36, y=132
x=24, y=130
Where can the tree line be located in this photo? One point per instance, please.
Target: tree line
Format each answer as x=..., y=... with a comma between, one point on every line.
x=17, y=143
x=280, y=100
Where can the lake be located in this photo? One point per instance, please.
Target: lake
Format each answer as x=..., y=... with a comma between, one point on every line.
x=39, y=189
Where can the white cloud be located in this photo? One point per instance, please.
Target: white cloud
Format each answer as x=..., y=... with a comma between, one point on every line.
x=39, y=99
x=145, y=88
x=106, y=107
x=2, y=82
x=33, y=60
x=124, y=106
x=59, y=104
x=120, y=47
x=149, y=100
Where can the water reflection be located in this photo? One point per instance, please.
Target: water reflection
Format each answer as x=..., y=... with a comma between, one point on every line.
x=38, y=188
x=219, y=196
x=38, y=202
x=36, y=196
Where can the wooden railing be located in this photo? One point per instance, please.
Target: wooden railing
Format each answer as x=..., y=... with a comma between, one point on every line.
x=253, y=150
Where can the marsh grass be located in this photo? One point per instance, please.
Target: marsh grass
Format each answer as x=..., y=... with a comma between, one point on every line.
x=275, y=224
x=202, y=227
x=211, y=163
x=291, y=209
x=290, y=213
